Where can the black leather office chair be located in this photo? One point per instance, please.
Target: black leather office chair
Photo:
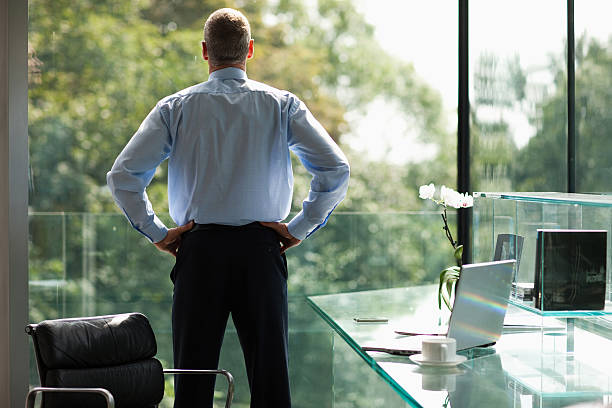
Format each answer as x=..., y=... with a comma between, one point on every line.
x=102, y=361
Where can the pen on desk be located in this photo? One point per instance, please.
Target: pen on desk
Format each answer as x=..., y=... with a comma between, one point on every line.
x=371, y=319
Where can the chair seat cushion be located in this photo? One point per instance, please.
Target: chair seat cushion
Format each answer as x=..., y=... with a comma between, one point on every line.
x=135, y=385
x=100, y=341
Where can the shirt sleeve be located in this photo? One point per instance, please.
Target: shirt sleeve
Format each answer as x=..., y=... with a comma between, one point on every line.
x=328, y=166
x=133, y=170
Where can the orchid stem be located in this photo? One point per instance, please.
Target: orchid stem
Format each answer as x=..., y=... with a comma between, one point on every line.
x=449, y=235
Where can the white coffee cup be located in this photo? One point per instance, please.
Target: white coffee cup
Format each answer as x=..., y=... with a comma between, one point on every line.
x=439, y=349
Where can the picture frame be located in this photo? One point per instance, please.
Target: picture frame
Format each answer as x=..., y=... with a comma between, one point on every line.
x=509, y=246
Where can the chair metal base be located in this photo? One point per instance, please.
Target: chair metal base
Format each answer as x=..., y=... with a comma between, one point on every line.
x=225, y=373
x=110, y=401
x=31, y=397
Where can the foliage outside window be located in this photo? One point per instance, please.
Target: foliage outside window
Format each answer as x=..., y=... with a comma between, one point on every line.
x=98, y=67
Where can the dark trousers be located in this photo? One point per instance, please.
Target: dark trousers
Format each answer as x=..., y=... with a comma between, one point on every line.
x=239, y=270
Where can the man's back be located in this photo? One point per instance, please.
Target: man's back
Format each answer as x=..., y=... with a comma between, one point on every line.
x=230, y=140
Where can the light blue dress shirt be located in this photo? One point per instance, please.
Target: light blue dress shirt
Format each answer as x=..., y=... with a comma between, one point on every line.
x=228, y=141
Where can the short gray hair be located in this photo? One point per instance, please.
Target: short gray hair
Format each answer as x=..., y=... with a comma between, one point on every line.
x=227, y=34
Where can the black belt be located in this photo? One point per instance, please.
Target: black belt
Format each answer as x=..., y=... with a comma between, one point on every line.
x=222, y=227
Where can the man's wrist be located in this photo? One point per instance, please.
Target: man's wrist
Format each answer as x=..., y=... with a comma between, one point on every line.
x=299, y=227
x=156, y=231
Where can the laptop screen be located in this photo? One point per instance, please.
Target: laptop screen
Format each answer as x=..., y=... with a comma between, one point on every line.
x=480, y=304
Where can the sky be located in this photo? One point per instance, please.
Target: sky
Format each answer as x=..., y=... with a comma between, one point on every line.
x=425, y=33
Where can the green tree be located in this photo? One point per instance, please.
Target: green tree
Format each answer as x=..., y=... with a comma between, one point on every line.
x=541, y=164
x=108, y=62
x=499, y=86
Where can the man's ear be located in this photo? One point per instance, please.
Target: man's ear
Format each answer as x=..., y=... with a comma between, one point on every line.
x=204, y=51
x=250, y=54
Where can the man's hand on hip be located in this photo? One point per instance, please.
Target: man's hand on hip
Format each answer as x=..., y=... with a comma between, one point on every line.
x=172, y=242
x=287, y=240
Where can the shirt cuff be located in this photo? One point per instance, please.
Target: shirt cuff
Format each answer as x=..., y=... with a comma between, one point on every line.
x=156, y=231
x=299, y=227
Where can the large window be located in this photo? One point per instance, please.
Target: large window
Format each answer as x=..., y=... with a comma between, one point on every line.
x=380, y=76
x=382, y=80
x=518, y=95
x=593, y=96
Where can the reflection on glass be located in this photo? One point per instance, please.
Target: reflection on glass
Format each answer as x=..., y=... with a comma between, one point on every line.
x=518, y=95
x=488, y=391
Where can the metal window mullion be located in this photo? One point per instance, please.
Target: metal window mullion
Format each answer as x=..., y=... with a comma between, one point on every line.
x=571, y=100
x=464, y=217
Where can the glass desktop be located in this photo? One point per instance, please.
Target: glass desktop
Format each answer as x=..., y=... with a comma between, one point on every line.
x=526, y=368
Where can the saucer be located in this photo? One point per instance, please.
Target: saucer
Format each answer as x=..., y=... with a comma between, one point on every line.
x=418, y=358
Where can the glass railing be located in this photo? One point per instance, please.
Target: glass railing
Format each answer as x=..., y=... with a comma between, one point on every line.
x=84, y=264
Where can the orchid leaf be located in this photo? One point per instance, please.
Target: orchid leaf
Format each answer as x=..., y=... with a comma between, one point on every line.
x=448, y=305
x=450, y=285
x=442, y=275
x=459, y=254
x=448, y=279
x=443, y=278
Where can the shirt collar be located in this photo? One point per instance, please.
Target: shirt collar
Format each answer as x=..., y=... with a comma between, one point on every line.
x=228, y=73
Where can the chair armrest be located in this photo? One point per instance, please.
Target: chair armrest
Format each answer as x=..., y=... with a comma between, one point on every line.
x=31, y=397
x=225, y=373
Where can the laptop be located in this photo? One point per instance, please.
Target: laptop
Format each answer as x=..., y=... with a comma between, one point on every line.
x=477, y=319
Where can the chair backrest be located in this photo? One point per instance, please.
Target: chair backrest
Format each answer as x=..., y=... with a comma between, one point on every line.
x=115, y=352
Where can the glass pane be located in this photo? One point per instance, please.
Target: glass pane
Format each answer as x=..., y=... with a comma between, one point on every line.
x=388, y=126
x=518, y=95
x=96, y=68
x=593, y=95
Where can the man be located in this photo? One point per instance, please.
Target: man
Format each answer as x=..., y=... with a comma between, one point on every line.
x=229, y=185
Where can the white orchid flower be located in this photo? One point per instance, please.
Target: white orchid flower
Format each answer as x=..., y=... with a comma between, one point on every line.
x=454, y=199
x=467, y=200
x=445, y=192
x=426, y=192
x=448, y=196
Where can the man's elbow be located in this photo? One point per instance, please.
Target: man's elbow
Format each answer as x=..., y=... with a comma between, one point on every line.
x=115, y=182
x=110, y=181
x=345, y=173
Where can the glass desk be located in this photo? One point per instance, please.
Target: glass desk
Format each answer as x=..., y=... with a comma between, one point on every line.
x=528, y=368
